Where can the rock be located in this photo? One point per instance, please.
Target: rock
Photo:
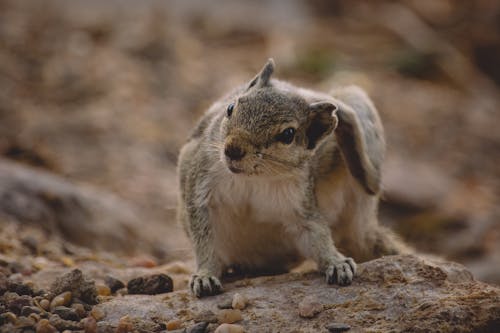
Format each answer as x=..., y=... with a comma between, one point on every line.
x=198, y=328
x=25, y=322
x=239, y=302
x=83, y=215
x=337, y=327
x=173, y=324
x=205, y=316
x=89, y=325
x=75, y=282
x=16, y=302
x=79, y=309
x=393, y=293
x=151, y=285
x=97, y=314
x=44, y=326
x=309, y=307
x=125, y=325
x=66, y=313
x=226, y=303
x=61, y=299
x=229, y=328
x=45, y=304
x=8, y=317
x=103, y=290
x=229, y=316
x=113, y=284
x=62, y=324
x=27, y=310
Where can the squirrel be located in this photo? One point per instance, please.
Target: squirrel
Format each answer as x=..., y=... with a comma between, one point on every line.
x=274, y=174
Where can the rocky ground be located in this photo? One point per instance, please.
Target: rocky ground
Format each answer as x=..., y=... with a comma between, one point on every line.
x=97, y=97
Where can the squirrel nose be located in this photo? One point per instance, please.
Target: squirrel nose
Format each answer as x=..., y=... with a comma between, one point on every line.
x=235, y=153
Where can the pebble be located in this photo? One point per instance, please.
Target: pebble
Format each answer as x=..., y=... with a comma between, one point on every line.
x=239, y=302
x=229, y=316
x=16, y=302
x=9, y=317
x=79, y=309
x=309, y=307
x=66, y=313
x=226, y=303
x=103, y=290
x=229, y=328
x=45, y=304
x=27, y=310
x=113, y=284
x=44, y=326
x=205, y=316
x=198, y=328
x=97, y=314
x=89, y=325
x=24, y=322
x=124, y=325
x=150, y=285
x=173, y=324
x=75, y=282
x=337, y=327
x=61, y=300
x=35, y=317
x=62, y=324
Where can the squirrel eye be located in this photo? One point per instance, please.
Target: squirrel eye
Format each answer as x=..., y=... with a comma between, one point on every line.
x=286, y=136
x=229, y=110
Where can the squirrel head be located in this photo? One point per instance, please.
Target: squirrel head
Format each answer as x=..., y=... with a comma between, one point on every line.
x=271, y=131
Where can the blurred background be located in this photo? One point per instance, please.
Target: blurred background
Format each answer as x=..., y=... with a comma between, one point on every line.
x=97, y=97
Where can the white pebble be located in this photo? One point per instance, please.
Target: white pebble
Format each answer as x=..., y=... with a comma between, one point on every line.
x=229, y=328
x=239, y=302
x=309, y=307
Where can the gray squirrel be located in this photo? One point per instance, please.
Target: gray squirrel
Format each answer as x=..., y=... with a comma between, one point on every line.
x=274, y=174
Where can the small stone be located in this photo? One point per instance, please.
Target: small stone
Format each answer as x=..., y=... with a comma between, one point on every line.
x=97, y=314
x=150, y=285
x=103, y=290
x=61, y=300
x=229, y=316
x=198, y=328
x=24, y=322
x=66, y=313
x=144, y=261
x=239, y=302
x=8, y=317
x=309, y=307
x=66, y=331
x=21, y=288
x=44, y=326
x=89, y=325
x=337, y=327
x=124, y=325
x=35, y=317
x=62, y=324
x=16, y=303
x=113, y=284
x=27, y=310
x=75, y=282
x=230, y=328
x=79, y=309
x=205, y=316
x=44, y=304
x=226, y=303
x=173, y=324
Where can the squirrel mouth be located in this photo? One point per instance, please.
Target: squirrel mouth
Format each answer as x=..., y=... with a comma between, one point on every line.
x=234, y=169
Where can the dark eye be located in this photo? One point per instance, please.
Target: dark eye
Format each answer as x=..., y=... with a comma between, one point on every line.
x=286, y=136
x=229, y=110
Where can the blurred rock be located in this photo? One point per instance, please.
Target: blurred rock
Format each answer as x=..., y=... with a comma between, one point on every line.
x=83, y=215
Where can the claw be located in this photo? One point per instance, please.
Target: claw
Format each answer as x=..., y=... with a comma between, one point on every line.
x=341, y=273
x=205, y=285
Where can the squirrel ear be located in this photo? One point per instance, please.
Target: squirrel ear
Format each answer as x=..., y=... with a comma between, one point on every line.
x=262, y=79
x=321, y=122
x=360, y=136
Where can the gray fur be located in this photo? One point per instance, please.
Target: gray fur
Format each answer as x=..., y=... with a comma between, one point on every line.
x=278, y=201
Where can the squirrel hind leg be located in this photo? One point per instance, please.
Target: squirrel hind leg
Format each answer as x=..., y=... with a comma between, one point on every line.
x=383, y=242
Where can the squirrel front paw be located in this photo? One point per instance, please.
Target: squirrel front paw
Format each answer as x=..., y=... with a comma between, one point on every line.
x=205, y=285
x=341, y=272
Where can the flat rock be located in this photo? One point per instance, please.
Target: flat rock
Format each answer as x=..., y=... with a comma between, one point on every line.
x=394, y=293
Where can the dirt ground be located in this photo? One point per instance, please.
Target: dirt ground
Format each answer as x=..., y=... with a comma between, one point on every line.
x=103, y=94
